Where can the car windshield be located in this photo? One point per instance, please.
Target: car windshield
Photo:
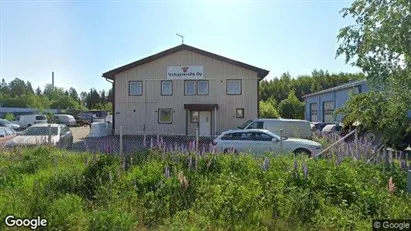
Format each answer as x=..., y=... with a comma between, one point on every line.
x=245, y=124
x=40, y=131
x=2, y=121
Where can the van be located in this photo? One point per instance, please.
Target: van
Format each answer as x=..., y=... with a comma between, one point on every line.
x=68, y=120
x=291, y=127
x=26, y=121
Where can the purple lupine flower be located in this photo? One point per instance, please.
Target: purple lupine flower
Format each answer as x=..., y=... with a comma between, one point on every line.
x=161, y=141
x=151, y=143
x=204, y=149
x=145, y=140
x=158, y=141
x=266, y=164
x=190, y=162
x=403, y=164
x=295, y=165
x=175, y=146
x=305, y=170
x=164, y=151
x=339, y=159
x=167, y=172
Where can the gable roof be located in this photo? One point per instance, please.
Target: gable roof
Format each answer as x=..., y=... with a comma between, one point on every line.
x=261, y=73
x=337, y=88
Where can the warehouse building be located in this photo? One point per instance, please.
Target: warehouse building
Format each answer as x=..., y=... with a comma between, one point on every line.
x=320, y=106
x=182, y=88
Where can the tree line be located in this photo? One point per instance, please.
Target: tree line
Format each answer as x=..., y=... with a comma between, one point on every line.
x=20, y=93
x=283, y=96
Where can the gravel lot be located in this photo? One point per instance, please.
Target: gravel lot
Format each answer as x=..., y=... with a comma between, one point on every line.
x=111, y=144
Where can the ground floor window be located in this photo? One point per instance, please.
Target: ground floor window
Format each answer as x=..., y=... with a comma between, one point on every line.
x=239, y=113
x=194, y=116
x=165, y=115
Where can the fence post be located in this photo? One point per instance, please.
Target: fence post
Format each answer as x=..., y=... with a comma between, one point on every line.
x=49, y=136
x=281, y=141
x=197, y=134
x=121, y=140
x=409, y=181
x=356, y=143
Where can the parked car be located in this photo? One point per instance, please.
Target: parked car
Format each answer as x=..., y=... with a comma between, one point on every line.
x=259, y=141
x=38, y=134
x=81, y=121
x=6, y=123
x=331, y=129
x=291, y=127
x=319, y=126
x=66, y=119
x=26, y=121
x=6, y=134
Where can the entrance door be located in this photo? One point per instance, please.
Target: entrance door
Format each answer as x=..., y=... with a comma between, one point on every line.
x=204, y=123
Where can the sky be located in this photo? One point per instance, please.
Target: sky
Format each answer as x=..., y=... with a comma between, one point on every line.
x=81, y=39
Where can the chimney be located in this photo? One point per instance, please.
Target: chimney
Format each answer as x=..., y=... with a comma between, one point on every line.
x=52, y=79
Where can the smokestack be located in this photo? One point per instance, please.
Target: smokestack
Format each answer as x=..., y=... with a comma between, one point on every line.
x=52, y=79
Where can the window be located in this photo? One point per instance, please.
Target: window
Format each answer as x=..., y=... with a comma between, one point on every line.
x=166, y=87
x=263, y=137
x=239, y=113
x=41, y=117
x=165, y=116
x=202, y=86
x=135, y=88
x=234, y=87
x=189, y=87
x=194, y=116
x=9, y=131
x=2, y=132
x=256, y=125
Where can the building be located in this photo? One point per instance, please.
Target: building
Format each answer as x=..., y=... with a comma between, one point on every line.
x=182, y=88
x=24, y=111
x=320, y=106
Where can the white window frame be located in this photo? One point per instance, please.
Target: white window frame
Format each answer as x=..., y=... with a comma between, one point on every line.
x=159, y=115
x=170, y=93
x=233, y=81
x=185, y=87
x=198, y=87
x=130, y=83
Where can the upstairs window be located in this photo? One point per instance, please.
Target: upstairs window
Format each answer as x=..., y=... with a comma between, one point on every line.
x=189, y=87
x=233, y=87
x=166, y=87
x=202, y=86
x=135, y=88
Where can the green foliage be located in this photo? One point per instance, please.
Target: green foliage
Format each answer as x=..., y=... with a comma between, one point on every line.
x=268, y=109
x=379, y=45
x=215, y=192
x=9, y=117
x=291, y=108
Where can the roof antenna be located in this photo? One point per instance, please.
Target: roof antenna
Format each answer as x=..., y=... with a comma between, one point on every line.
x=182, y=38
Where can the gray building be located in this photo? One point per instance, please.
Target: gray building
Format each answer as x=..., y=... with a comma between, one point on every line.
x=320, y=106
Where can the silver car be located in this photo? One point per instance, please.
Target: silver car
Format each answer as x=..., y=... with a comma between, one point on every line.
x=6, y=123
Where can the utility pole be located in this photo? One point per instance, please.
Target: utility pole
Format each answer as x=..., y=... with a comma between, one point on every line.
x=182, y=38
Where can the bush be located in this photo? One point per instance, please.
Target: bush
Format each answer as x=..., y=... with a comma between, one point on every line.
x=9, y=117
x=67, y=213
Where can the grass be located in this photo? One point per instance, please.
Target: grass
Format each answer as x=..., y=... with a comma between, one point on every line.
x=161, y=191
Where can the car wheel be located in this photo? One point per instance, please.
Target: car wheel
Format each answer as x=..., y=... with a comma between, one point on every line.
x=28, y=125
x=232, y=150
x=302, y=152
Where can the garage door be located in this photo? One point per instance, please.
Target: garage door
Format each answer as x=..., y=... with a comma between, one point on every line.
x=314, y=112
x=328, y=111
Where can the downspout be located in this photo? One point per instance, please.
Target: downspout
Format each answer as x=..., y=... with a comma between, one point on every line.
x=113, y=86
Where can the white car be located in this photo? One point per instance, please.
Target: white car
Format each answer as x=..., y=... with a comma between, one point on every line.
x=38, y=134
x=259, y=141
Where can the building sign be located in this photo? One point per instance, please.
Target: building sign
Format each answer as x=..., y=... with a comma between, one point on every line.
x=185, y=72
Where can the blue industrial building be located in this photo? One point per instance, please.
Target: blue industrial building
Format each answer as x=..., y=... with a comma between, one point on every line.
x=320, y=106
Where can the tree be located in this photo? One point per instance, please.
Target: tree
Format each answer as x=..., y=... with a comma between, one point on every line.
x=73, y=94
x=29, y=87
x=291, y=108
x=17, y=87
x=38, y=91
x=379, y=44
x=268, y=110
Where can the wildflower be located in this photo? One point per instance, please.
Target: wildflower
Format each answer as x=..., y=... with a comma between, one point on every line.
x=158, y=141
x=295, y=165
x=204, y=150
x=167, y=172
x=151, y=143
x=183, y=180
x=266, y=164
x=161, y=141
x=190, y=162
x=391, y=186
x=403, y=164
x=175, y=146
x=145, y=140
x=305, y=169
